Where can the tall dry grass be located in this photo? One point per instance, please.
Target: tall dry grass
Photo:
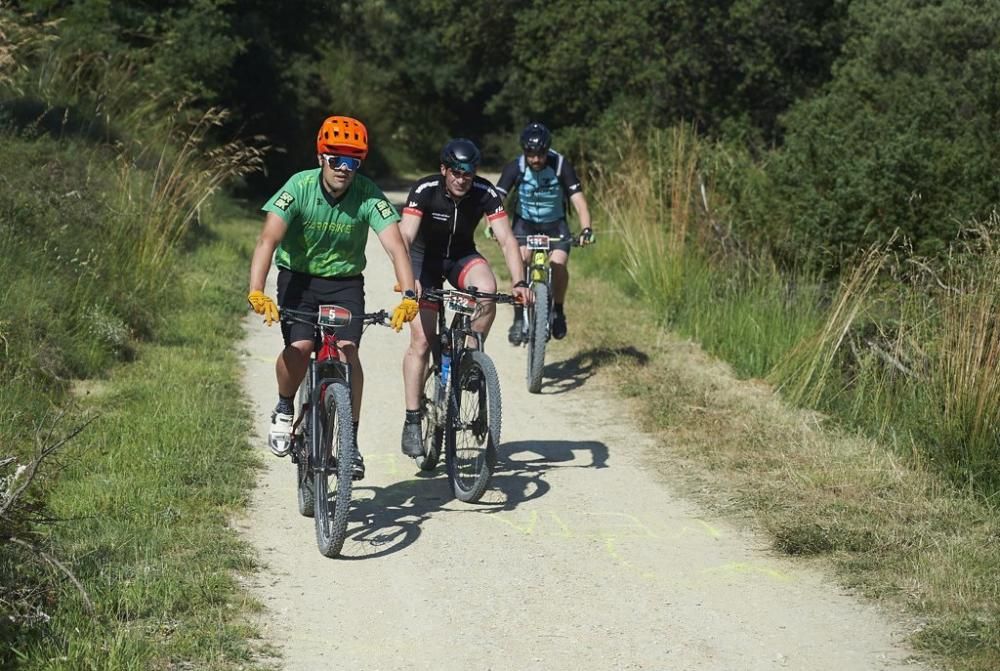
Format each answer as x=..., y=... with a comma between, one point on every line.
x=671, y=249
x=159, y=206
x=912, y=360
x=810, y=370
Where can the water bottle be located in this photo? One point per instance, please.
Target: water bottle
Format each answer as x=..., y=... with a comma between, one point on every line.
x=445, y=368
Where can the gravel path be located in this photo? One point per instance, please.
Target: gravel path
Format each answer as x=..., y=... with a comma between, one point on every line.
x=577, y=558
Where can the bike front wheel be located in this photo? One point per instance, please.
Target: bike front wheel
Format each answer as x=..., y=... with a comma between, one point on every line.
x=473, y=426
x=538, y=335
x=333, y=474
x=431, y=422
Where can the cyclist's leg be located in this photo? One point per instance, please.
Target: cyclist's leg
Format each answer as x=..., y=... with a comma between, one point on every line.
x=559, y=261
x=417, y=354
x=427, y=272
x=516, y=333
x=473, y=270
x=295, y=291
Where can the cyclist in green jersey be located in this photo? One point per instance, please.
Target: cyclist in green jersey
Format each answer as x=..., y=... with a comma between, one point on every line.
x=316, y=227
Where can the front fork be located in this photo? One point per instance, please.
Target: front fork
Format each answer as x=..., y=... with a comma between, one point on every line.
x=318, y=376
x=537, y=271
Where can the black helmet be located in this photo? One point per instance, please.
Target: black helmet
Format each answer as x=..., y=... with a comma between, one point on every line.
x=535, y=137
x=461, y=154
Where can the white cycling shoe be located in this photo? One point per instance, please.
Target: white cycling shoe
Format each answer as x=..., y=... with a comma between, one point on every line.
x=280, y=437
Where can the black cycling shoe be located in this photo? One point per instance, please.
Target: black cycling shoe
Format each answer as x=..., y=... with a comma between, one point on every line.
x=516, y=333
x=358, y=467
x=412, y=443
x=559, y=326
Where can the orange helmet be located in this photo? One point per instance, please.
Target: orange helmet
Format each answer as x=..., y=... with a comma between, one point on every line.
x=342, y=135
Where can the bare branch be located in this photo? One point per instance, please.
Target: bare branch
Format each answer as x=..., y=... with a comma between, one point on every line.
x=59, y=565
x=45, y=450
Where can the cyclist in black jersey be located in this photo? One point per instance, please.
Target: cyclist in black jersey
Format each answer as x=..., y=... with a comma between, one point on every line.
x=544, y=181
x=439, y=221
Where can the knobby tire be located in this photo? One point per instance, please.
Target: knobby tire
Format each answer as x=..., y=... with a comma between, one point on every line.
x=431, y=422
x=538, y=335
x=337, y=447
x=473, y=427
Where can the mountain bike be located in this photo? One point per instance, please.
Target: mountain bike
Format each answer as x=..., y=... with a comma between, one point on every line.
x=460, y=405
x=323, y=441
x=538, y=316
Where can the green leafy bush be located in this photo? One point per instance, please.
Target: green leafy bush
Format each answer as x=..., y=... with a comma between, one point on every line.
x=905, y=137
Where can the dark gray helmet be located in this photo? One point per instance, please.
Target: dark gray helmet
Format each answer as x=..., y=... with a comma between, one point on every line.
x=536, y=137
x=461, y=154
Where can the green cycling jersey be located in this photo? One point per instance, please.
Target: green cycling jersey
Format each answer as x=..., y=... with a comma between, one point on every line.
x=326, y=237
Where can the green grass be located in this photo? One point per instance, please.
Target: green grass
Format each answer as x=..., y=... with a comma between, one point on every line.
x=146, y=491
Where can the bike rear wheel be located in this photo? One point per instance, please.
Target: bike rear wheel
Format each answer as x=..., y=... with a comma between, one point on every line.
x=431, y=422
x=538, y=335
x=300, y=452
x=473, y=426
x=333, y=475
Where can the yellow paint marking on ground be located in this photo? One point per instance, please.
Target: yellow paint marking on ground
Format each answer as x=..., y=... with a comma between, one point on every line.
x=526, y=529
x=744, y=568
x=706, y=529
x=566, y=533
x=609, y=545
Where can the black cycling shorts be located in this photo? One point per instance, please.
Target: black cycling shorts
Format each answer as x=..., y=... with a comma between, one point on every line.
x=299, y=291
x=523, y=227
x=432, y=271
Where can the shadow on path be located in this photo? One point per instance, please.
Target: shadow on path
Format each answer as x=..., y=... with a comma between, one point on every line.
x=564, y=376
x=385, y=520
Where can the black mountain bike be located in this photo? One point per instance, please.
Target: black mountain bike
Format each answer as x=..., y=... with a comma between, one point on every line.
x=323, y=445
x=460, y=406
x=538, y=317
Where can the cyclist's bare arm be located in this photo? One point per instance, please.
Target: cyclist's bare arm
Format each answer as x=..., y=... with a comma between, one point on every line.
x=511, y=253
x=579, y=202
x=396, y=246
x=270, y=235
x=408, y=227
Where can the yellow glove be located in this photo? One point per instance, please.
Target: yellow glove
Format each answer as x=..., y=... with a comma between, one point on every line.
x=263, y=305
x=404, y=312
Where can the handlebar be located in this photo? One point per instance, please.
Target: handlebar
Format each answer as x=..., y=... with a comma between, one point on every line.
x=313, y=317
x=573, y=240
x=440, y=294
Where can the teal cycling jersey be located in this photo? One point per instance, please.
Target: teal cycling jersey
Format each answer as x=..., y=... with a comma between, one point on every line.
x=541, y=195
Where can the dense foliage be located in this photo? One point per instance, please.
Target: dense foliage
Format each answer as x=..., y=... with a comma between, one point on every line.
x=905, y=137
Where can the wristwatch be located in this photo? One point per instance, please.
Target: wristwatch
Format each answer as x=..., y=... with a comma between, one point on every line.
x=410, y=293
x=521, y=285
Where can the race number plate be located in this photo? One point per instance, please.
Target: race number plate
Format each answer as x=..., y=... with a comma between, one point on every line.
x=334, y=316
x=538, y=242
x=461, y=303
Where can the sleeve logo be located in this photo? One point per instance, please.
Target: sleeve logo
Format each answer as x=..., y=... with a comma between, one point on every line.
x=384, y=209
x=284, y=201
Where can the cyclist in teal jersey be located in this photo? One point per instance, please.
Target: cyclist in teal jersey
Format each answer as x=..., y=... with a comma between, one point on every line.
x=544, y=181
x=316, y=228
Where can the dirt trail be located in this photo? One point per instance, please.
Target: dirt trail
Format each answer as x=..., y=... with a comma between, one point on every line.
x=576, y=559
